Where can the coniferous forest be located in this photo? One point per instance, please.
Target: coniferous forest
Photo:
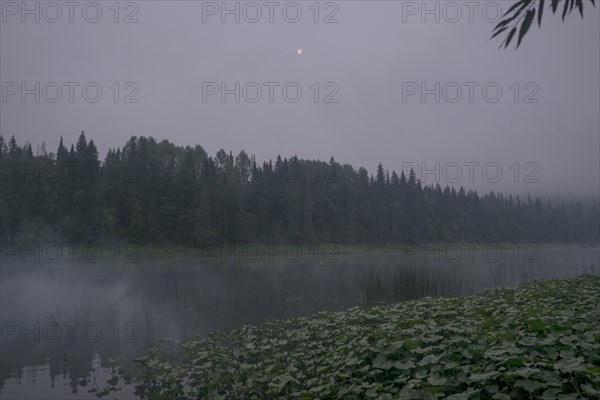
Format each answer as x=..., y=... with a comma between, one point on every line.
x=159, y=193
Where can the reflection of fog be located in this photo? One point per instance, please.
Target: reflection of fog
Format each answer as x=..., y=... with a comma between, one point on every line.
x=57, y=318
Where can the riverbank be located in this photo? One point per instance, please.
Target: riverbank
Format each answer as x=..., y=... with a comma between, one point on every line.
x=540, y=340
x=107, y=251
x=327, y=250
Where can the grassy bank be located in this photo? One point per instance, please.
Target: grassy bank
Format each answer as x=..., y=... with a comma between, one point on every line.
x=540, y=340
x=105, y=250
x=323, y=250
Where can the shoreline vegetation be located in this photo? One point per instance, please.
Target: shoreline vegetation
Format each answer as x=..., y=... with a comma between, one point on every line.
x=540, y=340
x=251, y=252
x=333, y=249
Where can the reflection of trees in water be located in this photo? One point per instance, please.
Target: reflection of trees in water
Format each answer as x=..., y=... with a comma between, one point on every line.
x=71, y=363
x=415, y=277
x=406, y=281
x=171, y=302
x=64, y=348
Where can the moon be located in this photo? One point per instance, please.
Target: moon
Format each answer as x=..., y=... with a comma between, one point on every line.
x=299, y=52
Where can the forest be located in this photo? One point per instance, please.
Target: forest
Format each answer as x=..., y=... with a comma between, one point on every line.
x=157, y=193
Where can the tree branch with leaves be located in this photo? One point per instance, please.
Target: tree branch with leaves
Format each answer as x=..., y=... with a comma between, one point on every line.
x=521, y=15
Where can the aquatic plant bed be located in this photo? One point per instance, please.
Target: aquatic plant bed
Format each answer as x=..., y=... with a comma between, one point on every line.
x=540, y=340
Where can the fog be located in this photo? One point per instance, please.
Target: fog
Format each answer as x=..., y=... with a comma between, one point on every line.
x=541, y=133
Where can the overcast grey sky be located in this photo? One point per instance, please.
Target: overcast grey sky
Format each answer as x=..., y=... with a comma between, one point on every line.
x=370, y=61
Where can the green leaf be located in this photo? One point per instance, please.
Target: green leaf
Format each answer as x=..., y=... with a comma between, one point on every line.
x=458, y=396
x=502, y=23
x=570, y=396
x=437, y=381
x=570, y=365
x=492, y=388
x=381, y=362
x=482, y=377
x=527, y=372
x=525, y=25
x=429, y=359
x=435, y=389
x=518, y=6
x=536, y=325
x=529, y=385
x=510, y=36
x=565, y=9
x=499, y=32
x=581, y=326
x=514, y=362
x=580, y=6
x=540, y=12
x=550, y=394
x=594, y=369
x=404, y=365
x=505, y=21
x=589, y=389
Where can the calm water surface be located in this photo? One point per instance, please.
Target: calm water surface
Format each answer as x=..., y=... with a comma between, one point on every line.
x=60, y=321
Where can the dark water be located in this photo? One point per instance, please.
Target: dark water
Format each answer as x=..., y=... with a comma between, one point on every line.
x=61, y=321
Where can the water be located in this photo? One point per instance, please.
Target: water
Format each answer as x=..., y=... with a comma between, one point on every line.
x=61, y=321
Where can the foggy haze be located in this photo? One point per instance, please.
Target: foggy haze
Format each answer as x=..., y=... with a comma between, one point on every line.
x=190, y=272
x=367, y=61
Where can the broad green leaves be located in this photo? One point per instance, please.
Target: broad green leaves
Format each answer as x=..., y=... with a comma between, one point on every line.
x=537, y=341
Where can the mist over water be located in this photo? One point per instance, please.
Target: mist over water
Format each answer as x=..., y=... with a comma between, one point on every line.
x=59, y=321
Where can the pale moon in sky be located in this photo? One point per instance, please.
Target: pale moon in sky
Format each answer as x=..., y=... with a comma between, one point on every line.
x=299, y=51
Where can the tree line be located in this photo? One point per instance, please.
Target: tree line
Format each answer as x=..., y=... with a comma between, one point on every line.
x=158, y=193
